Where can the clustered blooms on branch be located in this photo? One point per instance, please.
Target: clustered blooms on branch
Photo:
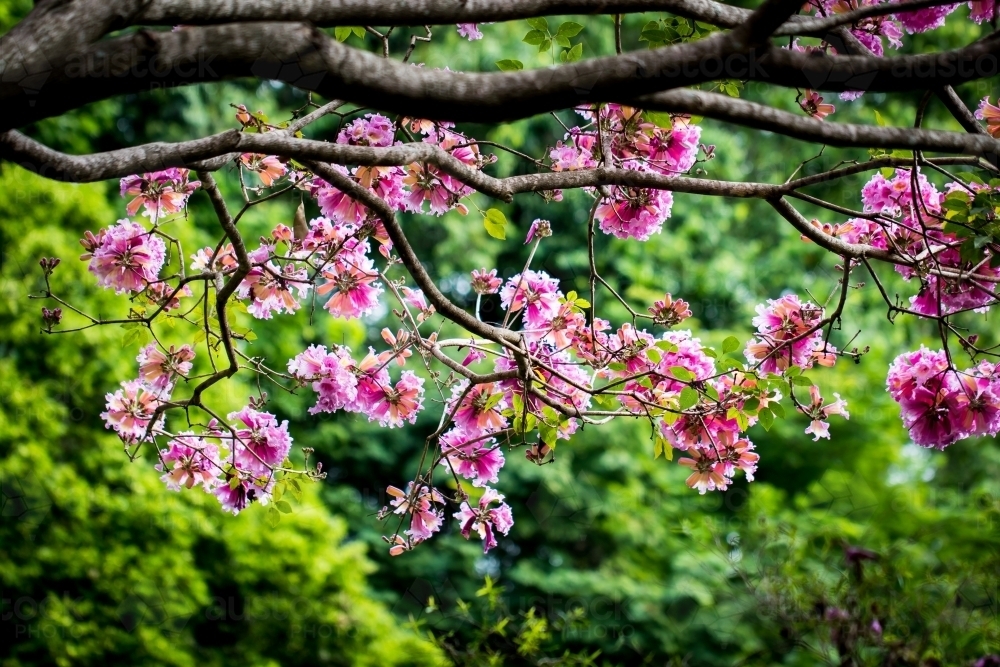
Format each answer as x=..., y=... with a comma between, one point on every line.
x=556, y=366
x=944, y=237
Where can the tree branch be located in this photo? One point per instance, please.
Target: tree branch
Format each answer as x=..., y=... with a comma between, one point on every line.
x=309, y=59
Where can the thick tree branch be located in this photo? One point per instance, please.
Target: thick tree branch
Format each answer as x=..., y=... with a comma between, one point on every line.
x=309, y=59
x=328, y=13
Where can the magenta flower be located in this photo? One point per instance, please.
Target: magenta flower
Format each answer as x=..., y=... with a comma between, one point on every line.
x=982, y=11
x=353, y=287
x=636, y=213
x=425, y=518
x=484, y=282
x=130, y=410
x=484, y=519
x=124, y=257
x=188, y=461
x=159, y=192
x=922, y=20
x=818, y=413
x=470, y=31
x=400, y=403
x=331, y=376
x=989, y=112
x=473, y=457
x=270, y=287
x=537, y=293
x=269, y=168
x=813, y=105
x=260, y=433
x=157, y=369
x=479, y=410
x=372, y=130
x=781, y=341
x=669, y=312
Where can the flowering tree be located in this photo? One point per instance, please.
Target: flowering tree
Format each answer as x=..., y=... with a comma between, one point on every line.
x=551, y=365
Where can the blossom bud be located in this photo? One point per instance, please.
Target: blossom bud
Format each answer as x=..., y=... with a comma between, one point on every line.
x=51, y=317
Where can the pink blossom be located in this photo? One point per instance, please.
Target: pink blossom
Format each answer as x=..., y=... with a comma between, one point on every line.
x=268, y=167
x=818, y=413
x=922, y=20
x=159, y=192
x=241, y=487
x=982, y=10
x=813, y=105
x=706, y=472
x=669, y=151
x=470, y=31
x=372, y=130
x=484, y=282
x=537, y=293
x=669, y=312
x=479, y=409
x=400, y=403
x=157, y=369
x=125, y=256
x=188, y=461
x=781, y=339
x=130, y=410
x=634, y=212
x=425, y=518
x=990, y=113
x=484, y=519
x=331, y=376
x=894, y=196
x=472, y=456
x=354, y=290
x=270, y=287
x=263, y=436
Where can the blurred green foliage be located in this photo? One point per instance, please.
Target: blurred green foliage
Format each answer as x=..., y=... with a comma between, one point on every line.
x=862, y=550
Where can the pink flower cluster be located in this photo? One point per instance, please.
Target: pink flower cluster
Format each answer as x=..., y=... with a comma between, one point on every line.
x=235, y=462
x=130, y=410
x=159, y=192
x=784, y=337
x=940, y=405
x=636, y=144
x=485, y=519
x=363, y=387
x=124, y=257
x=401, y=188
x=913, y=224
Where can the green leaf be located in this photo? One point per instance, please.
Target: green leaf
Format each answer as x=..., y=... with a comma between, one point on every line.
x=576, y=53
x=777, y=409
x=766, y=418
x=887, y=172
x=569, y=29
x=681, y=373
x=545, y=46
x=730, y=344
x=283, y=507
x=510, y=65
x=801, y=381
x=563, y=41
x=688, y=398
x=534, y=37
x=878, y=119
x=359, y=31
x=273, y=517
x=131, y=337
x=653, y=355
x=657, y=446
x=539, y=23
x=666, y=346
x=495, y=221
